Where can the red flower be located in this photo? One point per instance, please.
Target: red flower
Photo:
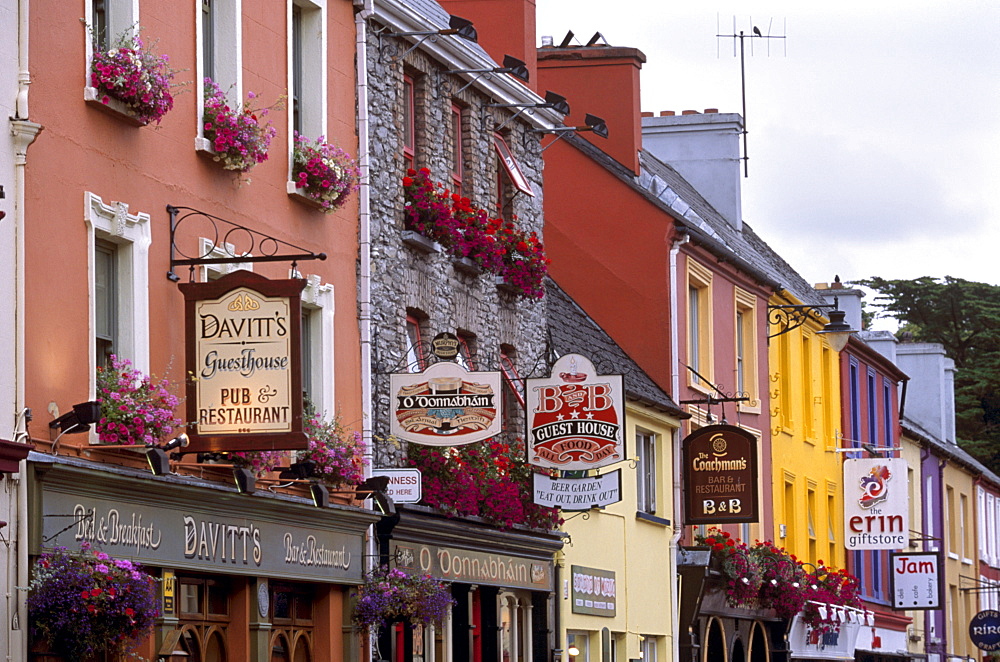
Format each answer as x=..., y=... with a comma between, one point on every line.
x=95, y=592
x=407, y=181
x=411, y=172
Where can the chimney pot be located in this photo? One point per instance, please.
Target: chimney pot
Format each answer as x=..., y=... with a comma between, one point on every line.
x=645, y=114
x=689, y=112
x=667, y=113
x=710, y=111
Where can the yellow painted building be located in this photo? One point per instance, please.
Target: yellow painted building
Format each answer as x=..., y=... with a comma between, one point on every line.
x=616, y=572
x=805, y=429
x=631, y=543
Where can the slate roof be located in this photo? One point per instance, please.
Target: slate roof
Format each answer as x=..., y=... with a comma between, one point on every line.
x=571, y=330
x=662, y=185
x=435, y=14
x=952, y=451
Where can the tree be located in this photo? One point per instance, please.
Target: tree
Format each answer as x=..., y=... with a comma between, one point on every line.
x=964, y=316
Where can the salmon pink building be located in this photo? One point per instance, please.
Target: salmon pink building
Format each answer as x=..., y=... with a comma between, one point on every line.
x=166, y=155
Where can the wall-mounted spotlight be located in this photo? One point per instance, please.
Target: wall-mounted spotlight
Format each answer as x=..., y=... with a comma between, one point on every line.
x=298, y=471
x=458, y=26
x=590, y=123
x=377, y=487
x=511, y=65
x=320, y=495
x=556, y=102
x=74, y=422
x=246, y=482
x=159, y=462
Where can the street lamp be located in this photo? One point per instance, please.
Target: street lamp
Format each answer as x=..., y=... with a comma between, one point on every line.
x=790, y=317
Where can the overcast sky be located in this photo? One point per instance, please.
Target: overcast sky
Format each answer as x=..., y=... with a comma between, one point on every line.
x=874, y=127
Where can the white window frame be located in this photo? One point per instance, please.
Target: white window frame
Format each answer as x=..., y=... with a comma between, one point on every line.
x=314, y=47
x=581, y=639
x=131, y=234
x=745, y=337
x=124, y=14
x=645, y=475
x=700, y=334
x=647, y=648
x=318, y=298
x=228, y=34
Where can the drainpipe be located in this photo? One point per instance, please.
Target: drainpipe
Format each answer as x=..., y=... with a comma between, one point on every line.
x=365, y=266
x=24, y=133
x=675, y=385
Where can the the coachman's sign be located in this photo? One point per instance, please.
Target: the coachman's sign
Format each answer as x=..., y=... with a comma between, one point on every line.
x=445, y=405
x=244, y=363
x=576, y=418
x=720, y=475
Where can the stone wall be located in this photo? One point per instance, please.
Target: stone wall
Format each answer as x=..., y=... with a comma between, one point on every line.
x=406, y=280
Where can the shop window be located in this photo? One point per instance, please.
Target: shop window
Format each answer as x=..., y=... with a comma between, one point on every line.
x=887, y=436
x=699, y=321
x=811, y=523
x=808, y=387
x=872, y=404
x=580, y=642
x=645, y=446
x=204, y=616
x=515, y=627
x=409, y=122
x=416, y=360
x=307, y=62
x=854, y=395
x=787, y=530
x=118, y=266
x=648, y=648
x=831, y=535
x=292, y=608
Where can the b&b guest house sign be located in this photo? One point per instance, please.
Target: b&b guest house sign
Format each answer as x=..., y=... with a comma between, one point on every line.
x=244, y=363
x=720, y=475
x=576, y=417
x=445, y=405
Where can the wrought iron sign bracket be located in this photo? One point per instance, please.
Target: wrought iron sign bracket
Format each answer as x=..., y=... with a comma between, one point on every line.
x=789, y=317
x=226, y=236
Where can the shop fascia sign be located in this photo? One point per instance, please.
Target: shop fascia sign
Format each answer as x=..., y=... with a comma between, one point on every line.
x=914, y=578
x=720, y=475
x=445, y=405
x=471, y=567
x=576, y=418
x=575, y=494
x=244, y=358
x=876, y=504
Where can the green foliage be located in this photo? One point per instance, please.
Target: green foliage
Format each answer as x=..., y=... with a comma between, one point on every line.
x=964, y=316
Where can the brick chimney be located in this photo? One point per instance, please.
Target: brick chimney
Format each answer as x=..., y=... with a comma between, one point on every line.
x=705, y=149
x=603, y=81
x=505, y=27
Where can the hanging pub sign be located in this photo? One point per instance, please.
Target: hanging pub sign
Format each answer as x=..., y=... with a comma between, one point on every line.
x=576, y=417
x=577, y=493
x=720, y=475
x=984, y=630
x=445, y=346
x=244, y=359
x=876, y=504
x=445, y=405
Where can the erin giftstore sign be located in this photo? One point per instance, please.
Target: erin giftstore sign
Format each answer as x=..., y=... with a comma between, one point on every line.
x=720, y=472
x=575, y=417
x=445, y=405
x=244, y=354
x=876, y=504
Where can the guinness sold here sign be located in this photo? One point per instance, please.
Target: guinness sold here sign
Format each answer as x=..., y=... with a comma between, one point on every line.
x=244, y=357
x=445, y=405
x=576, y=417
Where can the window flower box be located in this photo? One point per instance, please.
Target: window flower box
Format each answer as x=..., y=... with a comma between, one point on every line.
x=239, y=137
x=130, y=81
x=111, y=106
x=323, y=173
x=420, y=242
x=467, y=266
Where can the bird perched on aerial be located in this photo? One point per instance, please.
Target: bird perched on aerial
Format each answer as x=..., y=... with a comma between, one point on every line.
x=756, y=31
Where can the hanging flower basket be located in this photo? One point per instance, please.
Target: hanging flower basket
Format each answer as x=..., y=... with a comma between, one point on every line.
x=239, y=137
x=131, y=74
x=89, y=603
x=392, y=595
x=135, y=410
x=323, y=173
